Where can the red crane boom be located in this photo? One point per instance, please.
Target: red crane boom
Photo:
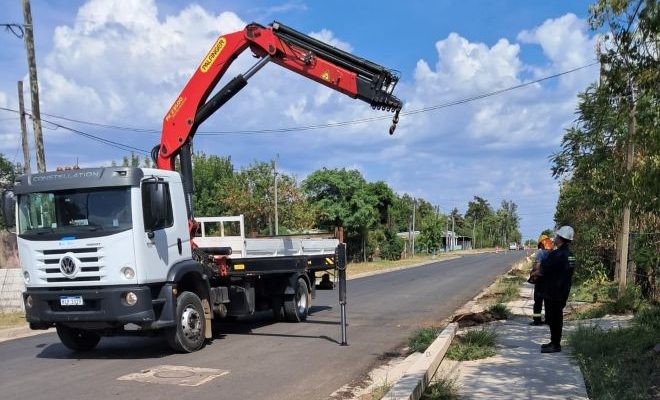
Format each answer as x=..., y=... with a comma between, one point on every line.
x=277, y=43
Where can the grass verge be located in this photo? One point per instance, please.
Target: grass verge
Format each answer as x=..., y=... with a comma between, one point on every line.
x=441, y=389
x=422, y=338
x=11, y=320
x=473, y=345
x=499, y=311
x=621, y=363
x=379, y=392
x=360, y=268
x=631, y=301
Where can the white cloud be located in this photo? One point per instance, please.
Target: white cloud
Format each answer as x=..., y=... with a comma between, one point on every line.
x=328, y=37
x=463, y=66
x=121, y=60
x=566, y=43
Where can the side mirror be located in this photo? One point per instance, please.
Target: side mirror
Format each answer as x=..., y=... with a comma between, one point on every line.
x=8, y=208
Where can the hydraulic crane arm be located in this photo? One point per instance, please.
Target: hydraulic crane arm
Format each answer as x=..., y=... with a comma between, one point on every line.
x=277, y=43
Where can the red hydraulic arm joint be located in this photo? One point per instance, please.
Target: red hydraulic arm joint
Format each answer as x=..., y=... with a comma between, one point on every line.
x=277, y=43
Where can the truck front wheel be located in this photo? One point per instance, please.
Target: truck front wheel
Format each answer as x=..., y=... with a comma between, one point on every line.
x=297, y=306
x=188, y=335
x=77, y=339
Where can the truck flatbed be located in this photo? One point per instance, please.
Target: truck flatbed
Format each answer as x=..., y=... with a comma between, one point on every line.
x=272, y=255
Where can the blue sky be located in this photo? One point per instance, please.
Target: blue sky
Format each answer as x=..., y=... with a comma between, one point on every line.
x=123, y=62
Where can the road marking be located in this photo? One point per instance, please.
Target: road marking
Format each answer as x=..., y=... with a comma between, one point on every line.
x=175, y=375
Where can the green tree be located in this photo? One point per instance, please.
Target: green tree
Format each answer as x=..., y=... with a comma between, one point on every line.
x=591, y=165
x=213, y=180
x=252, y=196
x=344, y=199
x=132, y=161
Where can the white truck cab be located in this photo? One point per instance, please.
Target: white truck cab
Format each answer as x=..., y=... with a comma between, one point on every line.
x=107, y=251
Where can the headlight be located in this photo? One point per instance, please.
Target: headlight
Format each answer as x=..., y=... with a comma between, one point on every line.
x=128, y=273
x=26, y=276
x=130, y=298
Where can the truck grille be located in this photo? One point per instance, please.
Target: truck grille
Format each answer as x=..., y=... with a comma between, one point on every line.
x=91, y=265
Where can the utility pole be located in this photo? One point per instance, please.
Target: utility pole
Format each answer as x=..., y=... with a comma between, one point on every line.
x=447, y=235
x=413, y=227
x=453, y=231
x=277, y=228
x=625, y=224
x=474, y=238
x=24, y=138
x=34, y=86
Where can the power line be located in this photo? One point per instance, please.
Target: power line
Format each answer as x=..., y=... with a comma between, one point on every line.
x=88, y=135
x=108, y=142
x=287, y=129
x=335, y=124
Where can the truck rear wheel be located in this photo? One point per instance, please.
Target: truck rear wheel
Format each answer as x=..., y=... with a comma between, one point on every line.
x=296, y=307
x=77, y=339
x=188, y=335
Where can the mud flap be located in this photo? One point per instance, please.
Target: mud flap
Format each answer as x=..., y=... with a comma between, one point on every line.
x=208, y=316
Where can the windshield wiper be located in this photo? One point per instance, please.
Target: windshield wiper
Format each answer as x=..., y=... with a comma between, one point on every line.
x=40, y=231
x=94, y=227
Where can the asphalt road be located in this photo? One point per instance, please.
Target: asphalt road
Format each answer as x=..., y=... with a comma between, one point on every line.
x=265, y=360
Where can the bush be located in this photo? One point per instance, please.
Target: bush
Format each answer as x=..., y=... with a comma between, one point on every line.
x=480, y=337
x=620, y=363
x=629, y=302
x=474, y=345
x=441, y=389
x=392, y=247
x=499, y=311
x=422, y=338
x=648, y=317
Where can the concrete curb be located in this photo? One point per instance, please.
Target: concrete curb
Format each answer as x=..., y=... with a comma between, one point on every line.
x=415, y=380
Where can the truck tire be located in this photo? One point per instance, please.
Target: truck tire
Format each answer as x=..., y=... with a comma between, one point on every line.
x=296, y=307
x=77, y=339
x=188, y=335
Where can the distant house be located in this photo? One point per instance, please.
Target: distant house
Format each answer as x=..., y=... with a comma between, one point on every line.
x=450, y=240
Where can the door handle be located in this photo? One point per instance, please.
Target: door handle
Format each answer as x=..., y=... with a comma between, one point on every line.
x=179, y=245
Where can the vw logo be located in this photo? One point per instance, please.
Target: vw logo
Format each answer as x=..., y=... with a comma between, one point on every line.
x=68, y=266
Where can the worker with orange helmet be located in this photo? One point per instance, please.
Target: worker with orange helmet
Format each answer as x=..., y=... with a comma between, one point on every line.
x=544, y=247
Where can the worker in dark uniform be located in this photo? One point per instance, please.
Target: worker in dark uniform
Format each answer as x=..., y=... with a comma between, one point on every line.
x=557, y=272
x=544, y=247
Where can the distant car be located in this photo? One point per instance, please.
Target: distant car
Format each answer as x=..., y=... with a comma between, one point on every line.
x=513, y=246
x=521, y=246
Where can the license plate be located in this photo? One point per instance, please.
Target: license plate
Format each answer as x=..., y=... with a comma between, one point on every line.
x=71, y=300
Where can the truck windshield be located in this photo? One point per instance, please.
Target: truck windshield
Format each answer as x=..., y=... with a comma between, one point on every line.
x=74, y=213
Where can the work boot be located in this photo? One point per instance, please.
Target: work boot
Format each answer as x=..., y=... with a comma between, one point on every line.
x=543, y=346
x=551, y=349
x=536, y=322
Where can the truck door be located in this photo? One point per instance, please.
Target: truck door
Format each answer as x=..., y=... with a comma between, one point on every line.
x=165, y=242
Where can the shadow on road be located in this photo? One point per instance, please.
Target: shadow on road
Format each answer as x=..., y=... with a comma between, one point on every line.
x=112, y=348
x=247, y=326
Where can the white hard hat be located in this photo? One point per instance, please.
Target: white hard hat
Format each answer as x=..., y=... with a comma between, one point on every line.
x=565, y=232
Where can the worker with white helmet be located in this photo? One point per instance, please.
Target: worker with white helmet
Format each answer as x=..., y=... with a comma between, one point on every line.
x=557, y=271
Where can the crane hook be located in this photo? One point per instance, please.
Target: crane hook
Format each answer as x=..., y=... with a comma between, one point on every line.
x=395, y=121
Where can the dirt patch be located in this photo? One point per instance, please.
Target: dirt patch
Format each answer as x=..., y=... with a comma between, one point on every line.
x=473, y=319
